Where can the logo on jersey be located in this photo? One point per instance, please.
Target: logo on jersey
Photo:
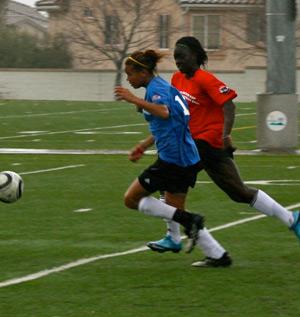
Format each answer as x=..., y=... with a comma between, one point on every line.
x=189, y=98
x=156, y=97
x=224, y=89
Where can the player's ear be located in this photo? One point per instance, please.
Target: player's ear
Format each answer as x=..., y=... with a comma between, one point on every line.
x=145, y=71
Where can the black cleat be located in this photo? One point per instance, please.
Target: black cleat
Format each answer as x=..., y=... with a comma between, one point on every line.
x=192, y=231
x=224, y=261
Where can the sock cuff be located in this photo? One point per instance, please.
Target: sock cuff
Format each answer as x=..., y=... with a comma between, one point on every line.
x=255, y=198
x=142, y=202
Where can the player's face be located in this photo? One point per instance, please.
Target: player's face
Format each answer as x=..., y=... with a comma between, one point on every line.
x=135, y=77
x=186, y=61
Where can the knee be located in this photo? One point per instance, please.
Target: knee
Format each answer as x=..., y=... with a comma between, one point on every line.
x=130, y=202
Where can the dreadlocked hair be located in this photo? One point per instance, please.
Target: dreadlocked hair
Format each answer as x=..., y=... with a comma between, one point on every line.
x=195, y=46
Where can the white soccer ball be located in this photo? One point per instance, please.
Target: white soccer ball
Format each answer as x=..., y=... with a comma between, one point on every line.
x=11, y=186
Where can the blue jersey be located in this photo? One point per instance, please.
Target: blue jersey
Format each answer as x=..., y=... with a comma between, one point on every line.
x=172, y=136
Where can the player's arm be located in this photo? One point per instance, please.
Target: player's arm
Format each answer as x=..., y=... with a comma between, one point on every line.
x=137, y=152
x=229, y=116
x=157, y=110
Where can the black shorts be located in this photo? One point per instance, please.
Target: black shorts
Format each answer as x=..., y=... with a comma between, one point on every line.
x=163, y=176
x=213, y=158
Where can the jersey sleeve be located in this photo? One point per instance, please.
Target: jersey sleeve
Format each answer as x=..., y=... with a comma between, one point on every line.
x=156, y=96
x=159, y=94
x=216, y=89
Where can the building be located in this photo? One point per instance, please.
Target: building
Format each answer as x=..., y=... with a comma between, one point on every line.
x=26, y=19
x=232, y=31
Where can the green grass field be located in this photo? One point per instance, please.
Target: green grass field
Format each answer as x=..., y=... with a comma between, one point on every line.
x=72, y=210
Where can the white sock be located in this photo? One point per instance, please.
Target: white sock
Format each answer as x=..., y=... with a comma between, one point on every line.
x=209, y=245
x=173, y=230
x=154, y=207
x=268, y=206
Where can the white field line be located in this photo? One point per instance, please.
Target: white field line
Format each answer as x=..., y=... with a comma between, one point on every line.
x=58, y=113
x=71, y=131
x=238, y=222
x=80, y=262
x=245, y=114
x=271, y=182
x=52, y=169
x=104, y=152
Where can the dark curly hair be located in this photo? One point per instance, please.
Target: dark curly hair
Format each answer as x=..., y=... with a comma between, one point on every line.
x=195, y=46
x=144, y=60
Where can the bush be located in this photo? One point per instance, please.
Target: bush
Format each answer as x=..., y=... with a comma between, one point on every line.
x=20, y=50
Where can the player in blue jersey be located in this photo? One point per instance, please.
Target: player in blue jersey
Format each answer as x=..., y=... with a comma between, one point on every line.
x=176, y=167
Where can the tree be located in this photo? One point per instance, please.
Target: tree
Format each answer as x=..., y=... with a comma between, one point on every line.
x=3, y=7
x=109, y=30
x=246, y=33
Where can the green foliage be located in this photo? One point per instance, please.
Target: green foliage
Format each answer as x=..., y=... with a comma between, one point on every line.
x=3, y=5
x=20, y=50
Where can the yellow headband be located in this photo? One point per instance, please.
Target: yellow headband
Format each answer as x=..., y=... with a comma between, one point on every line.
x=137, y=62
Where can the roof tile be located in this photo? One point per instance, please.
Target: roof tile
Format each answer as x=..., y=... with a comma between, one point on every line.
x=220, y=2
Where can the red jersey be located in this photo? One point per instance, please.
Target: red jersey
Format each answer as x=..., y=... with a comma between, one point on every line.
x=206, y=96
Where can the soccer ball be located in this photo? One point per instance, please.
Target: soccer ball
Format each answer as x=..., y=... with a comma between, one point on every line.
x=11, y=186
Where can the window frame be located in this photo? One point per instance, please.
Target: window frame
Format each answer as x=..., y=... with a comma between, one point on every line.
x=206, y=31
x=164, y=21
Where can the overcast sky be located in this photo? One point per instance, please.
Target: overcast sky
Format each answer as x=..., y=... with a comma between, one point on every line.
x=28, y=2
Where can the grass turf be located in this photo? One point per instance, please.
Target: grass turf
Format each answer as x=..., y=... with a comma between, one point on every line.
x=43, y=229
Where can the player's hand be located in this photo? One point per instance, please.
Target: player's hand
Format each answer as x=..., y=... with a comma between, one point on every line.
x=228, y=145
x=122, y=93
x=136, y=153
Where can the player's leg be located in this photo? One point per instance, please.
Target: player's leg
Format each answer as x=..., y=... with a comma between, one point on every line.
x=137, y=197
x=175, y=182
x=176, y=200
x=173, y=228
x=228, y=178
x=172, y=240
x=206, y=242
x=134, y=194
x=215, y=254
x=190, y=221
x=221, y=168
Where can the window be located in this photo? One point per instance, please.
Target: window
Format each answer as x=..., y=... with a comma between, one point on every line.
x=256, y=28
x=206, y=28
x=88, y=12
x=112, y=30
x=163, y=30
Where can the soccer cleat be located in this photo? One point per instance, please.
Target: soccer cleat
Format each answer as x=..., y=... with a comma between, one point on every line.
x=192, y=231
x=224, y=261
x=296, y=225
x=165, y=244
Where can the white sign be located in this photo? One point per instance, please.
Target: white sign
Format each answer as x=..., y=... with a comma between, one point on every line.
x=276, y=120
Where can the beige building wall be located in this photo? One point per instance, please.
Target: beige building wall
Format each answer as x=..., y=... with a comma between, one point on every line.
x=234, y=53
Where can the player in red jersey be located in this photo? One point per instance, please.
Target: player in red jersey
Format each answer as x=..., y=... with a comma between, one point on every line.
x=212, y=114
